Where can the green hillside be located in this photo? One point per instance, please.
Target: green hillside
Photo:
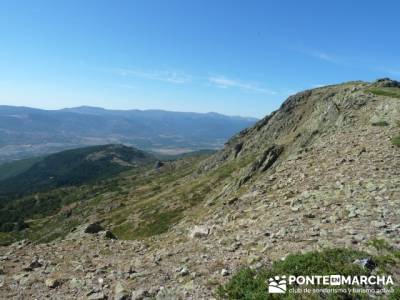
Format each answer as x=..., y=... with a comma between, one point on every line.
x=70, y=167
x=14, y=168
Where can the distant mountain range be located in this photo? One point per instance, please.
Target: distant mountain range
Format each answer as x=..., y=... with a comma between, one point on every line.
x=27, y=132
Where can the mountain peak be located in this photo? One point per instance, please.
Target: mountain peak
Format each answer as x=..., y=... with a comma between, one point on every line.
x=386, y=82
x=86, y=109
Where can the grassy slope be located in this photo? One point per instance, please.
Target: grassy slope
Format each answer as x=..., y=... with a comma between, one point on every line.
x=392, y=92
x=14, y=168
x=136, y=204
x=71, y=167
x=183, y=155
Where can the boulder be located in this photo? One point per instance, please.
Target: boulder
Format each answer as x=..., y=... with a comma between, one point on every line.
x=184, y=271
x=107, y=234
x=76, y=283
x=33, y=265
x=93, y=228
x=224, y=272
x=367, y=263
x=52, y=283
x=120, y=292
x=96, y=296
x=158, y=165
x=140, y=294
x=199, y=232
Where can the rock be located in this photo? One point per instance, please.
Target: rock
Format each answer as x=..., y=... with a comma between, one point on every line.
x=199, y=231
x=238, y=147
x=76, y=283
x=107, y=234
x=371, y=187
x=353, y=210
x=359, y=237
x=18, y=277
x=184, y=271
x=252, y=259
x=26, y=281
x=309, y=216
x=235, y=246
x=93, y=228
x=21, y=244
x=367, y=263
x=295, y=208
x=386, y=82
x=224, y=272
x=333, y=219
x=168, y=294
x=257, y=266
x=158, y=165
x=129, y=269
x=52, y=283
x=120, y=292
x=352, y=214
x=379, y=224
x=140, y=294
x=33, y=265
x=100, y=281
x=233, y=200
x=96, y=296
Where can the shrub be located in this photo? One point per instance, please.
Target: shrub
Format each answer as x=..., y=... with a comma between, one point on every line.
x=395, y=295
x=248, y=284
x=396, y=141
x=380, y=123
x=245, y=284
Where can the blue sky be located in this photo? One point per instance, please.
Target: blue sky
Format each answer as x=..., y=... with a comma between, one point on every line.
x=233, y=57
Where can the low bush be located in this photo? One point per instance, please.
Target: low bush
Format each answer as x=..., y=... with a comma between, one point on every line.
x=248, y=284
x=396, y=141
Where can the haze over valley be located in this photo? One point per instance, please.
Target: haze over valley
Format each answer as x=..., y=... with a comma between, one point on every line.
x=28, y=132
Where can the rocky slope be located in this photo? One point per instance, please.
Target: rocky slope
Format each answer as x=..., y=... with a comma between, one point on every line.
x=321, y=171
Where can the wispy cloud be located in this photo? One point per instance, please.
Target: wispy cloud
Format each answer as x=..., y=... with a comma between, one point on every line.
x=179, y=77
x=318, y=54
x=324, y=56
x=224, y=82
x=169, y=76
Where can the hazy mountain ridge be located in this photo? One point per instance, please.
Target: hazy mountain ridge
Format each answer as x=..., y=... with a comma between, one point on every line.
x=26, y=132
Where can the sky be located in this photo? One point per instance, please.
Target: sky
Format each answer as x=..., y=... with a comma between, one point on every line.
x=233, y=57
